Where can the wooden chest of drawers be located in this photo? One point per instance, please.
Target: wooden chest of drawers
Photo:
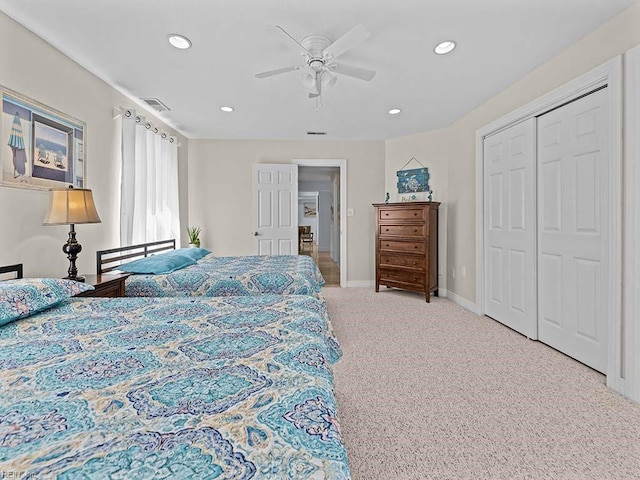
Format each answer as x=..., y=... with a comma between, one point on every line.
x=407, y=246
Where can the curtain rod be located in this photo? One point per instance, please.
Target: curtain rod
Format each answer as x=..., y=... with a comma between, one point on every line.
x=129, y=113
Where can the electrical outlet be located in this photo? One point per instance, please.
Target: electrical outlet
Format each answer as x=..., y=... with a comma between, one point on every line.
x=453, y=273
x=463, y=272
x=350, y=212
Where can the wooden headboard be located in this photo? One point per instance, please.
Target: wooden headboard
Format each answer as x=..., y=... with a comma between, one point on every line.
x=107, y=260
x=17, y=269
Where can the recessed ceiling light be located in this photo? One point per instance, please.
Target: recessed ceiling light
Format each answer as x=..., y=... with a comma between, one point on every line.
x=179, y=41
x=444, y=47
x=394, y=111
x=226, y=109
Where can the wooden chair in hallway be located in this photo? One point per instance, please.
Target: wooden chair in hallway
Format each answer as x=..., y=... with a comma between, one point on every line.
x=305, y=237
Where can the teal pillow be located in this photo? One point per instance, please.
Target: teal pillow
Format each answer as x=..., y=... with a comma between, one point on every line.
x=157, y=264
x=195, y=253
x=26, y=296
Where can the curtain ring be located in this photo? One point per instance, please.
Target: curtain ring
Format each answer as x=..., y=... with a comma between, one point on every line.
x=171, y=140
x=127, y=113
x=138, y=119
x=155, y=130
x=147, y=125
x=164, y=135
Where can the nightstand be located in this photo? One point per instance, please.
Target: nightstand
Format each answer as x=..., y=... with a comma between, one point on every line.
x=107, y=285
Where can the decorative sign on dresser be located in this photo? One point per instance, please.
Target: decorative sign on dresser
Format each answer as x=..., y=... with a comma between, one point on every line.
x=407, y=246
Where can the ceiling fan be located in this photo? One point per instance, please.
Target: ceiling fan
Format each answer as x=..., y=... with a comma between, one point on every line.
x=319, y=55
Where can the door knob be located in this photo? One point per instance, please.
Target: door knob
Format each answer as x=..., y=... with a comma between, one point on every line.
x=255, y=234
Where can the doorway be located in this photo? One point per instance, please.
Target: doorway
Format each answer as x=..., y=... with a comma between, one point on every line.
x=321, y=184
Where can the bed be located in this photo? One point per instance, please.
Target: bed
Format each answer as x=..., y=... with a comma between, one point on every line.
x=203, y=388
x=213, y=276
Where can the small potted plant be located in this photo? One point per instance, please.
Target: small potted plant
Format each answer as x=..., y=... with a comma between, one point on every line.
x=194, y=236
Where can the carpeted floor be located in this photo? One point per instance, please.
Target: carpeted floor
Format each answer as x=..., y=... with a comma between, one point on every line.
x=431, y=391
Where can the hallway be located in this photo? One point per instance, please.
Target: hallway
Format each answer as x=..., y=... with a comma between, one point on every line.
x=330, y=270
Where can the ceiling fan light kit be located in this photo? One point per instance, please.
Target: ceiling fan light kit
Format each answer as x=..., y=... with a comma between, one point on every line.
x=319, y=54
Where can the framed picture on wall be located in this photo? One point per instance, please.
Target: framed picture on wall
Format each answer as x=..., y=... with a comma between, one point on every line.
x=310, y=210
x=40, y=147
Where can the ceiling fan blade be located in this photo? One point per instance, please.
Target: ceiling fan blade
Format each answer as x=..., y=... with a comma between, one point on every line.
x=353, y=37
x=351, y=71
x=297, y=45
x=271, y=73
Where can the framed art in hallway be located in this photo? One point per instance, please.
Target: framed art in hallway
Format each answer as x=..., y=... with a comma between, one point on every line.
x=310, y=210
x=40, y=147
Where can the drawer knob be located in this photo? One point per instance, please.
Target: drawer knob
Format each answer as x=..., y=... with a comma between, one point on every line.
x=387, y=244
x=415, y=246
x=387, y=214
x=415, y=230
x=415, y=263
x=386, y=230
x=415, y=214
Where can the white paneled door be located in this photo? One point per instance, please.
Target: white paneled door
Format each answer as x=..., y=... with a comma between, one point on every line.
x=275, y=209
x=573, y=226
x=509, y=217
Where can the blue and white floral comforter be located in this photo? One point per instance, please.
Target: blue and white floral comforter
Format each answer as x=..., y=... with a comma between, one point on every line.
x=231, y=276
x=210, y=388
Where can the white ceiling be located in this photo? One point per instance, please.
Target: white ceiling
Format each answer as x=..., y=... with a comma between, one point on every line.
x=124, y=43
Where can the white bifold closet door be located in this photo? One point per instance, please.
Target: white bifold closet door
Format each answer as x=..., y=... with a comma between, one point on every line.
x=573, y=226
x=509, y=226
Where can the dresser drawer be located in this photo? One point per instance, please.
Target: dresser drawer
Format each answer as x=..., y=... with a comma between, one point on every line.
x=407, y=261
x=398, y=246
x=406, y=277
x=403, y=230
x=401, y=214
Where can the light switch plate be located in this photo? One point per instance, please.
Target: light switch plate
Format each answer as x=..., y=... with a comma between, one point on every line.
x=350, y=212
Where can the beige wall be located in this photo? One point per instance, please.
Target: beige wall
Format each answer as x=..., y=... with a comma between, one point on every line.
x=612, y=39
x=35, y=69
x=220, y=191
x=431, y=150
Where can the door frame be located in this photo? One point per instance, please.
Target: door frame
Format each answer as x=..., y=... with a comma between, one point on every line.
x=608, y=74
x=342, y=164
x=632, y=224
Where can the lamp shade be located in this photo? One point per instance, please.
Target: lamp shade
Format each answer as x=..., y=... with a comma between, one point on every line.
x=71, y=206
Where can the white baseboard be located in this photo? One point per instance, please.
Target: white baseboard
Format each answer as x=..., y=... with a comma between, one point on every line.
x=457, y=299
x=361, y=284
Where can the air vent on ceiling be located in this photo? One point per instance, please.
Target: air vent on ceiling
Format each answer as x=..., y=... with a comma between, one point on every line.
x=316, y=133
x=156, y=104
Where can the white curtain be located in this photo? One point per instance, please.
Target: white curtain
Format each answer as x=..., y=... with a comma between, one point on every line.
x=149, y=209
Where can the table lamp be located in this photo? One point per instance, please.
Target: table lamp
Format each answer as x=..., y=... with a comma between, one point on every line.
x=70, y=206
